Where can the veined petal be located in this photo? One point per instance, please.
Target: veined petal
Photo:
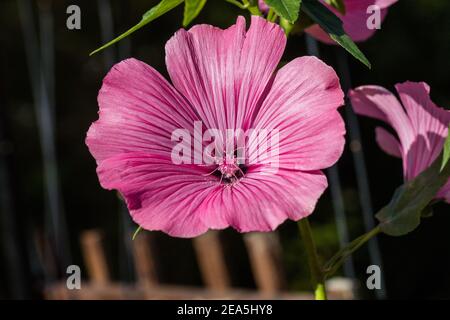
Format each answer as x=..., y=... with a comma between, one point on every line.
x=138, y=112
x=429, y=123
x=224, y=73
x=224, y=78
x=422, y=129
x=379, y=103
x=264, y=198
x=425, y=116
x=159, y=194
x=185, y=201
x=302, y=106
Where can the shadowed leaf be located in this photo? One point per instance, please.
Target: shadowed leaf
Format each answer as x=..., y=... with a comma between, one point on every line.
x=410, y=202
x=332, y=25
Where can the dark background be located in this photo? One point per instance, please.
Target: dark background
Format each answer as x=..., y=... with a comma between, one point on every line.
x=413, y=44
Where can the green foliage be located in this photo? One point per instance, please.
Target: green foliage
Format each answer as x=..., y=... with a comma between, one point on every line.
x=329, y=22
x=411, y=201
x=163, y=7
x=192, y=9
x=287, y=9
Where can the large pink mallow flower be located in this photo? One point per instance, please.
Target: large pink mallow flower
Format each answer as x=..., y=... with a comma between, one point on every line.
x=354, y=20
x=226, y=79
x=421, y=126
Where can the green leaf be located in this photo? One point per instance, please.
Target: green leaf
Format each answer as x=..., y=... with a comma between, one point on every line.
x=192, y=9
x=287, y=9
x=329, y=22
x=338, y=4
x=411, y=201
x=163, y=7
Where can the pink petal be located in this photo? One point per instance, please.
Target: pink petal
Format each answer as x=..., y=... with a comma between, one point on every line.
x=425, y=116
x=262, y=200
x=388, y=143
x=422, y=129
x=429, y=122
x=354, y=21
x=224, y=73
x=139, y=110
x=184, y=201
x=302, y=105
x=379, y=103
x=159, y=194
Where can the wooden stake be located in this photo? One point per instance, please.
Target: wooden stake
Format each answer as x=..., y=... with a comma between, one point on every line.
x=94, y=256
x=264, y=251
x=211, y=261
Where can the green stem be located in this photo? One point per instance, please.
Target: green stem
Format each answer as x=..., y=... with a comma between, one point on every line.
x=317, y=276
x=274, y=18
x=238, y=4
x=338, y=259
x=136, y=232
x=287, y=27
x=270, y=14
x=254, y=10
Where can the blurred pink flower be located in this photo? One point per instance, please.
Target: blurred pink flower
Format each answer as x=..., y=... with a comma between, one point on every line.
x=263, y=7
x=224, y=78
x=354, y=20
x=421, y=126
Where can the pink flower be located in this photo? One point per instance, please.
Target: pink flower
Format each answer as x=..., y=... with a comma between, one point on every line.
x=263, y=7
x=224, y=78
x=354, y=20
x=421, y=126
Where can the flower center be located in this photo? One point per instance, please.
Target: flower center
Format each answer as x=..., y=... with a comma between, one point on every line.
x=230, y=171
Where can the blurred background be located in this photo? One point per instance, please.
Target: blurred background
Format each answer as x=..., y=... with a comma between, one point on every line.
x=53, y=212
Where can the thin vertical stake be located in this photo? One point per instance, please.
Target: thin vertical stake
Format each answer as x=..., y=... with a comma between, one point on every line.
x=360, y=168
x=335, y=188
